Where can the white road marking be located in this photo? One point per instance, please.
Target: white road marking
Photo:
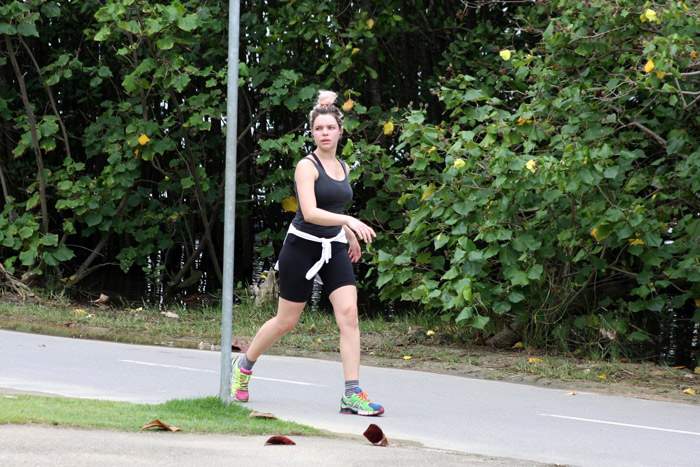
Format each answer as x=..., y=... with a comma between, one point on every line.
x=216, y=372
x=628, y=425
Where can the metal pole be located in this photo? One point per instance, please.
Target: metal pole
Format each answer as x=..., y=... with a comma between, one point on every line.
x=230, y=199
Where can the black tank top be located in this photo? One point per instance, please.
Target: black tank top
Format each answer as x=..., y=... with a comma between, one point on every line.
x=331, y=195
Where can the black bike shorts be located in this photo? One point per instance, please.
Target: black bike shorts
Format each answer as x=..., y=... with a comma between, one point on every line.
x=299, y=255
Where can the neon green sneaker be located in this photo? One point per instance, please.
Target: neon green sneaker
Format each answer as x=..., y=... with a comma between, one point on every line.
x=359, y=404
x=239, y=381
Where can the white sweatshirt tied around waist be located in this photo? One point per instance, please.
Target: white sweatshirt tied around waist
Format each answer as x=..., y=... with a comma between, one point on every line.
x=326, y=249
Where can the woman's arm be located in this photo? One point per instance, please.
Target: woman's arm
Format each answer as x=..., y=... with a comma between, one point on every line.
x=305, y=177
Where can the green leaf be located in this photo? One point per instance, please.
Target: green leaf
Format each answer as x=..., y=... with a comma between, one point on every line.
x=93, y=218
x=465, y=314
x=8, y=29
x=165, y=43
x=27, y=29
x=188, y=22
x=63, y=253
x=28, y=257
x=480, y=322
x=637, y=336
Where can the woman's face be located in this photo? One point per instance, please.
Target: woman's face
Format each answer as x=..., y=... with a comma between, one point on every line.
x=326, y=132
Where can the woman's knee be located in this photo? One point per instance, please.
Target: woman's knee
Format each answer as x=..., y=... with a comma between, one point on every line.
x=286, y=323
x=346, y=316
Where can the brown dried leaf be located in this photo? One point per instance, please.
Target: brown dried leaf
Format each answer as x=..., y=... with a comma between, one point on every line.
x=375, y=435
x=102, y=300
x=279, y=440
x=239, y=347
x=262, y=415
x=160, y=425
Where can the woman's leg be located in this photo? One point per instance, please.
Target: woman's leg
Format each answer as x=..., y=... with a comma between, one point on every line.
x=288, y=314
x=344, y=301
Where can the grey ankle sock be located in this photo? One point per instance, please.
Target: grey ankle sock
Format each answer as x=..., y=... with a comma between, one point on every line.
x=350, y=386
x=245, y=363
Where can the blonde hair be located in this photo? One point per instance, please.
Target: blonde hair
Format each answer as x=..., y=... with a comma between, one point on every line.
x=325, y=105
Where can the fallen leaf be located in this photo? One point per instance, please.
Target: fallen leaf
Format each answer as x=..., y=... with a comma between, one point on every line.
x=534, y=360
x=518, y=345
x=102, y=300
x=262, y=415
x=689, y=391
x=375, y=435
x=697, y=370
x=80, y=311
x=680, y=367
x=407, y=357
x=160, y=425
x=239, y=347
x=624, y=360
x=602, y=376
x=430, y=333
x=170, y=314
x=571, y=393
x=279, y=440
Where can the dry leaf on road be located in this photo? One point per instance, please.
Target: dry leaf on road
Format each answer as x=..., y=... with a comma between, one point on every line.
x=375, y=435
x=279, y=440
x=262, y=415
x=160, y=425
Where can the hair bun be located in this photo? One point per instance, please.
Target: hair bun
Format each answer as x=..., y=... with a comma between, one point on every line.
x=326, y=98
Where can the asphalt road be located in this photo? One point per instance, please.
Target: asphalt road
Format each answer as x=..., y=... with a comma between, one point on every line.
x=478, y=417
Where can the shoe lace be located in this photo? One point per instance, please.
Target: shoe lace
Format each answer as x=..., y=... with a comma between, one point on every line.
x=362, y=395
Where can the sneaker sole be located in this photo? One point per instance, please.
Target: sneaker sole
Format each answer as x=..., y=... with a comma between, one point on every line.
x=366, y=413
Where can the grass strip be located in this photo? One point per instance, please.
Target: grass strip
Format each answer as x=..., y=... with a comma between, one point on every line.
x=201, y=415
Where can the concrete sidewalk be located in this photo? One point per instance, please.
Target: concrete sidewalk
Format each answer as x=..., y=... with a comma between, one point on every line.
x=50, y=446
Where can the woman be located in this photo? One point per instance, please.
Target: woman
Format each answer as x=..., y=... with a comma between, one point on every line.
x=315, y=247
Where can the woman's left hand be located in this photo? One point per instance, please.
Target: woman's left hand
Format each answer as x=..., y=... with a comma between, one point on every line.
x=355, y=252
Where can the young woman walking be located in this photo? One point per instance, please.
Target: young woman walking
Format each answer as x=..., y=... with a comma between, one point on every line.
x=315, y=248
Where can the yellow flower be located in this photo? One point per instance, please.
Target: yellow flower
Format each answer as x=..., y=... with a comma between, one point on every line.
x=602, y=376
x=348, y=105
x=531, y=165
x=388, y=128
x=649, y=66
x=651, y=15
x=505, y=54
x=290, y=204
x=523, y=121
x=459, y=163
x=143, y=139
